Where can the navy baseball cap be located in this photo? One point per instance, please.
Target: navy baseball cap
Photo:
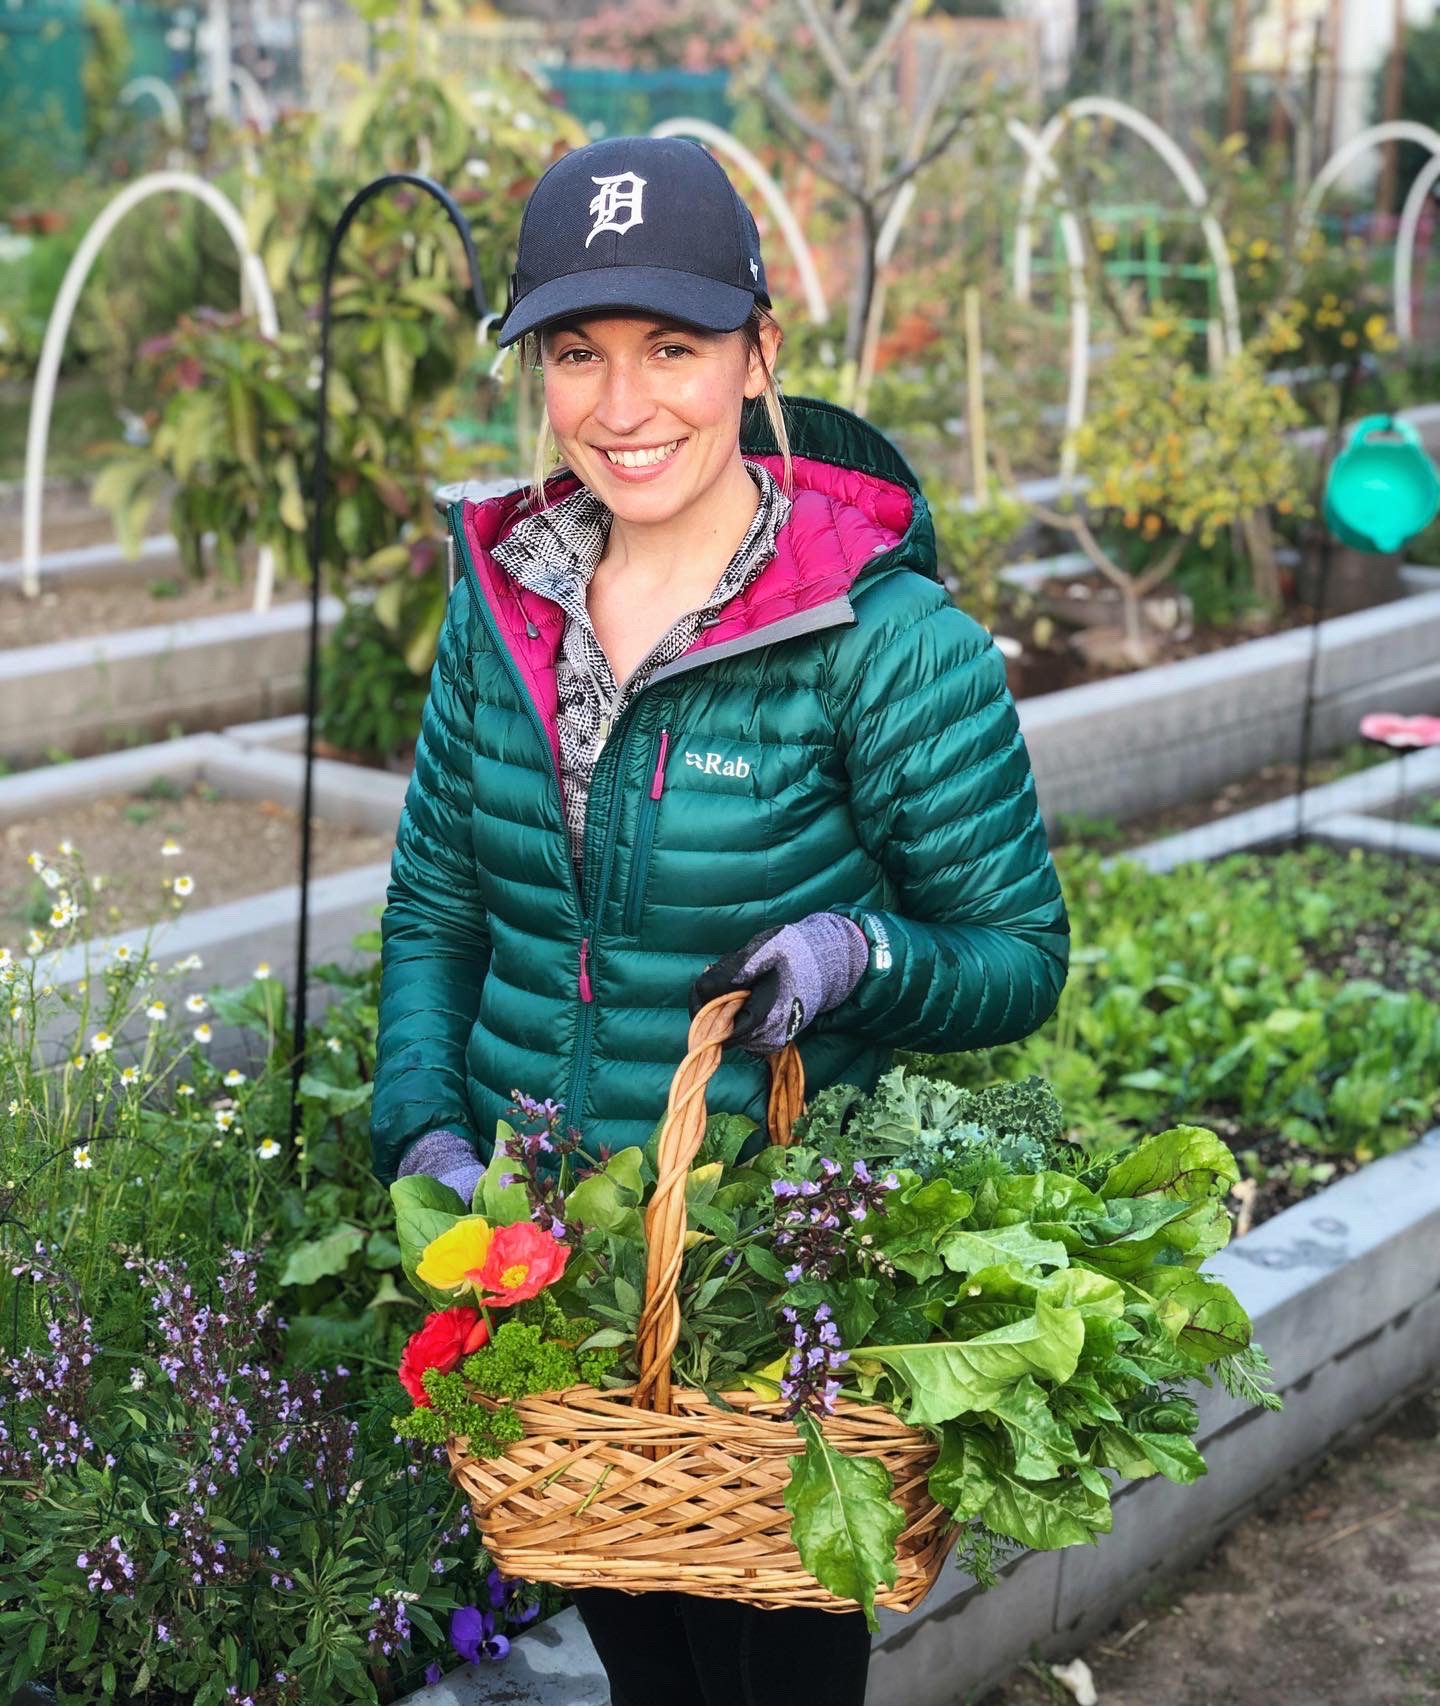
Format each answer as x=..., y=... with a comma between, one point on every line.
x=636, y=222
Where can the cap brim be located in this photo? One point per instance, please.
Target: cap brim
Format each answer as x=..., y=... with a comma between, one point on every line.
x=682, y=296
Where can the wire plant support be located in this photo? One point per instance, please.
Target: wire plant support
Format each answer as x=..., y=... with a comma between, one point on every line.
x=319, y=492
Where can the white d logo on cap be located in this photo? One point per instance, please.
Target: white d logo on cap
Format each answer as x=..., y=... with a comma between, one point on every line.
x=619, y=194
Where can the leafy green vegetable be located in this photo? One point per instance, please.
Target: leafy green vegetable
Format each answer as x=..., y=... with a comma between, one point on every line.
x=842, y=1519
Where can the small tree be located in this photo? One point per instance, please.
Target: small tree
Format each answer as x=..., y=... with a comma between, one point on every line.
x=1180, y=453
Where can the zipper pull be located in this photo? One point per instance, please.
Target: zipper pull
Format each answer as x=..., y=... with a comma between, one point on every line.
x=657, y=781
x=586, y=994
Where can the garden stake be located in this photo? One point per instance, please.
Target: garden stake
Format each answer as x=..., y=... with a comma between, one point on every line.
x=317, y=513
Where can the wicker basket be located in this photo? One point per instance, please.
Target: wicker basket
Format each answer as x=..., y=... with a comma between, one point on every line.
x=648, y=1489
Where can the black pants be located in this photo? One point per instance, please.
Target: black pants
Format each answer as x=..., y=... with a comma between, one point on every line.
x=675, y=1649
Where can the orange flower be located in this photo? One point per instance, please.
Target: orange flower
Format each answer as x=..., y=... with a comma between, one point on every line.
x=522, y=1261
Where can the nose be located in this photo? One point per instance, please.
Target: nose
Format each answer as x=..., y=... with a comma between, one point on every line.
x=625, y=403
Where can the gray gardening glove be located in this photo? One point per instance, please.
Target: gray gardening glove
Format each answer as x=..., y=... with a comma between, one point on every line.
x=448, y=1157
x=793, y=972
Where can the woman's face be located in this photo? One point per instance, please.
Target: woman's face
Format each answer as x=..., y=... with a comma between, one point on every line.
x=621, y=385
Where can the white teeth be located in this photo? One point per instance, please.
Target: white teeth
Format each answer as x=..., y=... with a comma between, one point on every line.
x=643, y=458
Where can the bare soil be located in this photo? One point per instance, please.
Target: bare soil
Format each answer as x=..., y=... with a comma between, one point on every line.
x=231, y=849
x=77, y=612
x=1356, y=582
x=1260, y=787
x=1328, y=1599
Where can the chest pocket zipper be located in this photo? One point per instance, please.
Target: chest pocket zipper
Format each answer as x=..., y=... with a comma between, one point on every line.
x=645, y=838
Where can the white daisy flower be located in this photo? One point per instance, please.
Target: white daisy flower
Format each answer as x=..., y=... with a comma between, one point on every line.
x=155, y=1012
x=80, y=985
x=16, y=1011
x=77, y=1060
x=130, y=1075
x=36, y=943
x=234, y=1076
x=123, y=951
x=334, y=1044
x=14, y=1109
x=184, y=1089
x=101, y=1042
x=224, y=1118
x=35, y=860
x=60, y=916
x=195, y=1003
x=202, y=1033
x=51, y=877
x=184, y=885
x=4, y=956
x=262, y=970
x=267, y=1149
x=67, y=847
x=191, y=962
x=81, y=1152
x=170, y=847
x=7, y=974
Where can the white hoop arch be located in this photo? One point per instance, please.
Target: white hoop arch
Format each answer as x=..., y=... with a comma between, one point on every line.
x=255, y=296
x=1074, y=245
x=163, y=96
x=1393, y=130
x=701, y=130
x=1101, y=106
x=1410, y=217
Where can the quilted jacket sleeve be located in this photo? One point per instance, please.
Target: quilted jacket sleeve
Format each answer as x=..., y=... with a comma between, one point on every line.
x=435, y=937
x=975, y=952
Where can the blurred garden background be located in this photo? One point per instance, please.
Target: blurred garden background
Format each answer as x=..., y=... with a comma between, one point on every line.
x=1118, y=277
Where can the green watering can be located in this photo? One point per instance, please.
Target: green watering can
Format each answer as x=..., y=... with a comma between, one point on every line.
x=1383, y=488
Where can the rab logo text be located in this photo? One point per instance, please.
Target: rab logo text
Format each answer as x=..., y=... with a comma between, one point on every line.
x=716, y=764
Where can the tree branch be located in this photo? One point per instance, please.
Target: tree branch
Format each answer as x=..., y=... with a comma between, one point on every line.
x=889, y=41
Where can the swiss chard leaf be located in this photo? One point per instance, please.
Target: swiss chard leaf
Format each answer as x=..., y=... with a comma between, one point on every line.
x=424, y=1208
x=1187, y=1161
x=842, y=1519
x=944, y=1379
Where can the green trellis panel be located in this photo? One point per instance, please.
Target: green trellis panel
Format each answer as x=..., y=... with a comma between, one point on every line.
x=627, y=103
x=42, y=50
x=1139, y=253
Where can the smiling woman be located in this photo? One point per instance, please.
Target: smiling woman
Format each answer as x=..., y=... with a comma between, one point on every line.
x=703, y=721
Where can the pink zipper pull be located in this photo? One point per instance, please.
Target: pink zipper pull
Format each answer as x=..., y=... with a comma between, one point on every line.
x=585, y=990
x=657, y=782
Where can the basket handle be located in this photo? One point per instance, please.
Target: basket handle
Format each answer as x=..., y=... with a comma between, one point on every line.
x=680, y=1141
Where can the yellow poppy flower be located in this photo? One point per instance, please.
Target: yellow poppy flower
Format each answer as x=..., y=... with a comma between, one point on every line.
x=452, y=1262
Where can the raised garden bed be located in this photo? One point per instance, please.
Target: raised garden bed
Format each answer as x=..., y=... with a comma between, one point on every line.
x=357, y=812
x=231, y=848
x=86, y=695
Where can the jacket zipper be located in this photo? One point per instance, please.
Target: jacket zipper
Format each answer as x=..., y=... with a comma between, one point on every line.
x=828, y=618
x=644, y=839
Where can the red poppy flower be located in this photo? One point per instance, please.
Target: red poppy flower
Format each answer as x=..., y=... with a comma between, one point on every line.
x=522, y=1260
x=447, y=1336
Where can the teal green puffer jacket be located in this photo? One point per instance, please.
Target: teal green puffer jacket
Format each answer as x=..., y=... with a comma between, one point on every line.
x=842, y=739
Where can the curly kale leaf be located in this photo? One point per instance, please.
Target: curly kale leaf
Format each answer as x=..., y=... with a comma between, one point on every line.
x=935, y=1127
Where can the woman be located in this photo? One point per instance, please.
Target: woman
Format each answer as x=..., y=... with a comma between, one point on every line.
x=702, y=718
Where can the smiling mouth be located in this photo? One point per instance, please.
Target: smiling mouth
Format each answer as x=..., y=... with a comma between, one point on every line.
x=643, y=458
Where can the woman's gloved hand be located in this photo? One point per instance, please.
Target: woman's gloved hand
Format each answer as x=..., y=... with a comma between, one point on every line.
x=793, y=972
x=448, y=1157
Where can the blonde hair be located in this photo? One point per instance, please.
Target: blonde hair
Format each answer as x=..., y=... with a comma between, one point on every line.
x=547, y=457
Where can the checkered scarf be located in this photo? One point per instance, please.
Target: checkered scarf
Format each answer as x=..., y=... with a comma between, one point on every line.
x=554, y=553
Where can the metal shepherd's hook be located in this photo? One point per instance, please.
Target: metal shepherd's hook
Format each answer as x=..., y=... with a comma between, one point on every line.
x=317, y=520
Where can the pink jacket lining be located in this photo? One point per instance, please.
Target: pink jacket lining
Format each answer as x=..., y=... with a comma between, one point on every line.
x=840, y=519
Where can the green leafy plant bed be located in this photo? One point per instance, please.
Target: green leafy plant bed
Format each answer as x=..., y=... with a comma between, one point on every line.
x=1286, y=999
x=947, y=1255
